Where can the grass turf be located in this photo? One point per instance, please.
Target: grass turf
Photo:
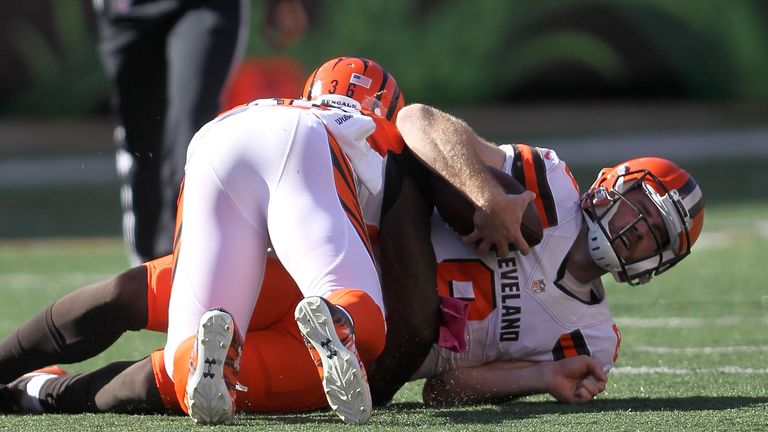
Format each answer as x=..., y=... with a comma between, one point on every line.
x=692, y=356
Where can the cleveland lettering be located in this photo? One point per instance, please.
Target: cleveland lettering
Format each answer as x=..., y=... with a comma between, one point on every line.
x=510, y=291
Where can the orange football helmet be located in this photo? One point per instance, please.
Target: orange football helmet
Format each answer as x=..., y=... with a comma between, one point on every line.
x=671, y=189
x=355, y=82
x=365, y=85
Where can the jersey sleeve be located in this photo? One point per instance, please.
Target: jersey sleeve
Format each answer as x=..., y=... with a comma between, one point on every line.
x=542, y=172
x=600, y=342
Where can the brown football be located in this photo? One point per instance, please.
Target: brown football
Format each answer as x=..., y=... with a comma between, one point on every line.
x=458, y=211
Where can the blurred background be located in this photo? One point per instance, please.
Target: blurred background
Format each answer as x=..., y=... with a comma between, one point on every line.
x=599, y=81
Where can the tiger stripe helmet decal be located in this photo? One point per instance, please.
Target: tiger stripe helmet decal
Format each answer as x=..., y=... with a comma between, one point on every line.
x=358, y=83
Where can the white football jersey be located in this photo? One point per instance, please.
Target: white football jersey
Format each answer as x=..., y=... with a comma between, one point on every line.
x=519, y=306
x=350, y=128
x=279, y=173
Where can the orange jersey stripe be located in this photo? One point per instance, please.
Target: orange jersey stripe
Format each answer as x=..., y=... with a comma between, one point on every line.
x=618, y=342
x=573, y=180
x=531, y=183
x=566, y=341
x=341, y=163
x=177, y=230
x=347, y=192
x=570, y=345
x=531, y=172
x=345, y=180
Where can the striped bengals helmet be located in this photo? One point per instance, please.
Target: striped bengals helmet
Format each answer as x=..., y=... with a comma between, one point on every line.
x=674, y=192
x=355, y=82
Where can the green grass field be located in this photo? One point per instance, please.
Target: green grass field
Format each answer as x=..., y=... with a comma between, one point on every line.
x=692, y=356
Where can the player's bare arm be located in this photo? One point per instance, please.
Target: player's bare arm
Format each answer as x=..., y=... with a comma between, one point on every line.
x=408, y=266
x=450, y=147
x=572, y=380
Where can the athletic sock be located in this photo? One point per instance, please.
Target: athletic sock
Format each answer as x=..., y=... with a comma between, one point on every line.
x=34, y=345
x=116, y=387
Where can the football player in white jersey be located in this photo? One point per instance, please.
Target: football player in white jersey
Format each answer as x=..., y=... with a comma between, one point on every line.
x=638, y=219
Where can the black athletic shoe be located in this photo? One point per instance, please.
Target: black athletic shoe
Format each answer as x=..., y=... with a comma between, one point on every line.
x=14, y=397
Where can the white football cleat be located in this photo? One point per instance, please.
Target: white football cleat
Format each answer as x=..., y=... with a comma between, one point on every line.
x=213, y=369
x=330, y=338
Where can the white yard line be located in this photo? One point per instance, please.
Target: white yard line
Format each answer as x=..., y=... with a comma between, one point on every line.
x=702, y=350
x=687, y=322
x=737, y=230
x=731, y=370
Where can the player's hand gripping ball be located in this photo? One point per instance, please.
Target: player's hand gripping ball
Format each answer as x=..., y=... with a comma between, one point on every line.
x=458, y=211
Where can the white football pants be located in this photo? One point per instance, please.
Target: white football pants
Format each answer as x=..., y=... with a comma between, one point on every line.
x=255, y=178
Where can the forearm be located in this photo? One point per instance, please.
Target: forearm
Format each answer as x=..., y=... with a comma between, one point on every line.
x=401, y=358
x=487, y=384
x=452, y=149
x=573, y=380
x=408, y=285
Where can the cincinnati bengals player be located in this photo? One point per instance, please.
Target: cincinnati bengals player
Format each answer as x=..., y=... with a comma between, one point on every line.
x=279, y=174
x=283, y=174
